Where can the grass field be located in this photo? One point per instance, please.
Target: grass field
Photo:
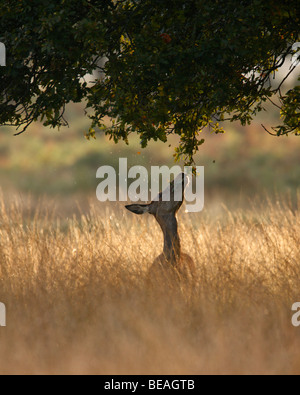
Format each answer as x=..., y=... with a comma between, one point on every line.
x=77, y=301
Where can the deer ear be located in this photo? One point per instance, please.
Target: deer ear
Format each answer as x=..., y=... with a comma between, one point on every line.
x=138, y=209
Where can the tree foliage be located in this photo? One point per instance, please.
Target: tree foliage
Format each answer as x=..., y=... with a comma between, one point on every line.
x=171, y=67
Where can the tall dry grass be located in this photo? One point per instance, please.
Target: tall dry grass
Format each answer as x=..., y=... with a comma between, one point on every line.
x=77, y=302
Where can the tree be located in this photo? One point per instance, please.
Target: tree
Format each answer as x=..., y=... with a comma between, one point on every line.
x=171, y=67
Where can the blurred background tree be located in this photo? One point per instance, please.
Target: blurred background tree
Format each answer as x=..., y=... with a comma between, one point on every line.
x=164, y=67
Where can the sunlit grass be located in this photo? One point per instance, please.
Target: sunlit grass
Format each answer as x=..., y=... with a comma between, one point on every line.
x=77, y=301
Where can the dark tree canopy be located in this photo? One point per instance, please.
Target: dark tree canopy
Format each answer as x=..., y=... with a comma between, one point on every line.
x=169, y=66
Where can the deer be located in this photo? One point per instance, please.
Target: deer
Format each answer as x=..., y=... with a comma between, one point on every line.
x=172, y=263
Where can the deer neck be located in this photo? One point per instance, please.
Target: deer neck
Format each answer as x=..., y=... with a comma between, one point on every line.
x=172, y=245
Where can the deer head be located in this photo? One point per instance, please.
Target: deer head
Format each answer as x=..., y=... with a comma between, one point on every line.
x=167, y=202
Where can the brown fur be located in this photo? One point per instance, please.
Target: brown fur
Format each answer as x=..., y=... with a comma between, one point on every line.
x=162, y=269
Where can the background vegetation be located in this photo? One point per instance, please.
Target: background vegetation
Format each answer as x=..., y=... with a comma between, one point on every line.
x=244, y=161
x=161, y=67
